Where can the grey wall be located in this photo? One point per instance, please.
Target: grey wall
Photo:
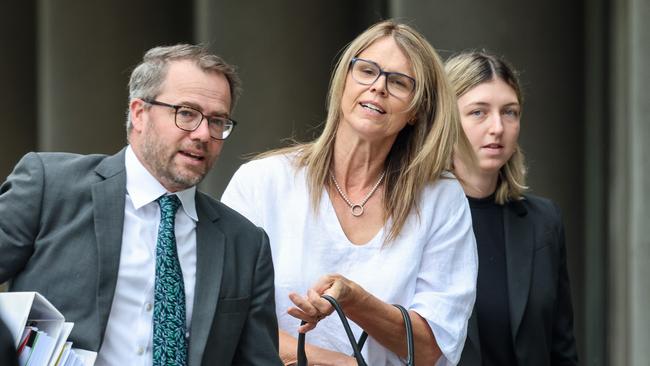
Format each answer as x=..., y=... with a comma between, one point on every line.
x=596, y=208
x=18, y=88
x=86, y=50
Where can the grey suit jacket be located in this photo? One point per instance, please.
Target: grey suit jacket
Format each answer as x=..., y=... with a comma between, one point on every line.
x=61, y=221
x=7, y=349
x=541, y=315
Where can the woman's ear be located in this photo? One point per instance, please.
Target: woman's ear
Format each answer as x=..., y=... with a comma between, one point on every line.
x=412, y=119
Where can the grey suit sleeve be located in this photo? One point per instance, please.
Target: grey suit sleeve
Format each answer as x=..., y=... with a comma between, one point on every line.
x=7, y=350
x=563, y=346
x=258, y=344
x=20, y=209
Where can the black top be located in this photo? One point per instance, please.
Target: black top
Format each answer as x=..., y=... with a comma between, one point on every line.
x=492, y=309
x=538, y=290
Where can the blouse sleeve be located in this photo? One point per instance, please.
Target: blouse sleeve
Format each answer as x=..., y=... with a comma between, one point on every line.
x=446, y=284
x=241, y=192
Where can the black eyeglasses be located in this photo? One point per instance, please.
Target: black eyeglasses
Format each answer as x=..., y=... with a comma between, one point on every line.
x=366, y=72
x=189, y=119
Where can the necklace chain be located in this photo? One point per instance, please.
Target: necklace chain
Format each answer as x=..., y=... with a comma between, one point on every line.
x=357, y=209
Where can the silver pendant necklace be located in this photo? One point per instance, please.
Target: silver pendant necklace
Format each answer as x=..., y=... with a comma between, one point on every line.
x=357, y=208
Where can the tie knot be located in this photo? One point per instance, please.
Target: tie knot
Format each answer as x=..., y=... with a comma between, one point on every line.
x=168, y=205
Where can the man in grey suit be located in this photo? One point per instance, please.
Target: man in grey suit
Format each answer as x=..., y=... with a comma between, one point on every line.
x=96, y=236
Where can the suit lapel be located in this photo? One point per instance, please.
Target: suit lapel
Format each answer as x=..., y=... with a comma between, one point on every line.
x=108, y=213
x=519, y=237
x=210, y=250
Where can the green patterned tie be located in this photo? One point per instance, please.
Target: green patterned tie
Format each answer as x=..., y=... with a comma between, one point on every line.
x=169, y=343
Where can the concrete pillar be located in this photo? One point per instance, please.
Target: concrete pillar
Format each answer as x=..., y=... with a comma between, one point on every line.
x=18, y=75
x=629, y=238
x=546, y=46
x=596, y=109
x=285, y=52
x=86, y=52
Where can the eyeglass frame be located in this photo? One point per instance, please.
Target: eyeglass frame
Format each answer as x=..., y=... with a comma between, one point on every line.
x=381, y=72
x=176, y=107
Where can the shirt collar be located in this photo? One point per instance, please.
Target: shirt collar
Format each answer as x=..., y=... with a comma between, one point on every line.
x=144, y=188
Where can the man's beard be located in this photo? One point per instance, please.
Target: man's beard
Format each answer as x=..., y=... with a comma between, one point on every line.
x=160, y=161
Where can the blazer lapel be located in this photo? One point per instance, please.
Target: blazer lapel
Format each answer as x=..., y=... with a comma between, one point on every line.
x=108, y=212
x=210, y=249
x=519, y=238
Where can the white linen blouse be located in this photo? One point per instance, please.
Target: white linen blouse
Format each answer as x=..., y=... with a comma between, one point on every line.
x=430, y=268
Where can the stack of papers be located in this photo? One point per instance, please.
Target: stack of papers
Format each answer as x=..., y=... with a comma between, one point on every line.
x=40, y=331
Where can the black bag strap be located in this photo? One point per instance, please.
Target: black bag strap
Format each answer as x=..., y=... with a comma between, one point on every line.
x=410, y=346
x=358, y=345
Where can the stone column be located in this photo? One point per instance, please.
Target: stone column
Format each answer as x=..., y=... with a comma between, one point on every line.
x=629, y=240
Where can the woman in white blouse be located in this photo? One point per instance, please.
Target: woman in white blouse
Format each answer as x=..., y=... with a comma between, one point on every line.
x=368, y=213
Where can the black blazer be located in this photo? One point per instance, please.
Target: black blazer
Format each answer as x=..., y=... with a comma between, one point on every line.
x=61, y=221
x=541, y=314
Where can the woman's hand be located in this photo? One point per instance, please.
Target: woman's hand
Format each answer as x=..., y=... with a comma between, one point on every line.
x=312, y=307
x=316, y=355
x=382, y=321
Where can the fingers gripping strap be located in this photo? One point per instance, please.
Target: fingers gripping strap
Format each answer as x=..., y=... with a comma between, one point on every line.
x=358, y=345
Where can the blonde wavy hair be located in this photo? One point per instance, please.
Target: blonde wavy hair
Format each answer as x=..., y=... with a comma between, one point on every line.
x=421, y=152
x=465, y=71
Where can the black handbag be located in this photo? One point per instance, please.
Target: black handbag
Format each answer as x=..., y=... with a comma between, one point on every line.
x=358, y=345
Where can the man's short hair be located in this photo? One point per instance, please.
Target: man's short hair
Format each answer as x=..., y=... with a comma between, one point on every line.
x=148, y=76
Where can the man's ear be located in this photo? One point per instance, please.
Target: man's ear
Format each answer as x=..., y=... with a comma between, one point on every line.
x=136, y=110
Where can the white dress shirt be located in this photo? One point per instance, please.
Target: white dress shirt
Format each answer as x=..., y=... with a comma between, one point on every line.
x=129, y=332
x=430, y=268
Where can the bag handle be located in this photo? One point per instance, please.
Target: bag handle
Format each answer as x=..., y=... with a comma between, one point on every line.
x=358, y=345
x=408, y=325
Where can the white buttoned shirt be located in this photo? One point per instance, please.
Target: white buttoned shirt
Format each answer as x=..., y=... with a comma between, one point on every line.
x=129, y=331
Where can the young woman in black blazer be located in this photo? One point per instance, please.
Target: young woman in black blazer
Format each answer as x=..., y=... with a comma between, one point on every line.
x=523, y=313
